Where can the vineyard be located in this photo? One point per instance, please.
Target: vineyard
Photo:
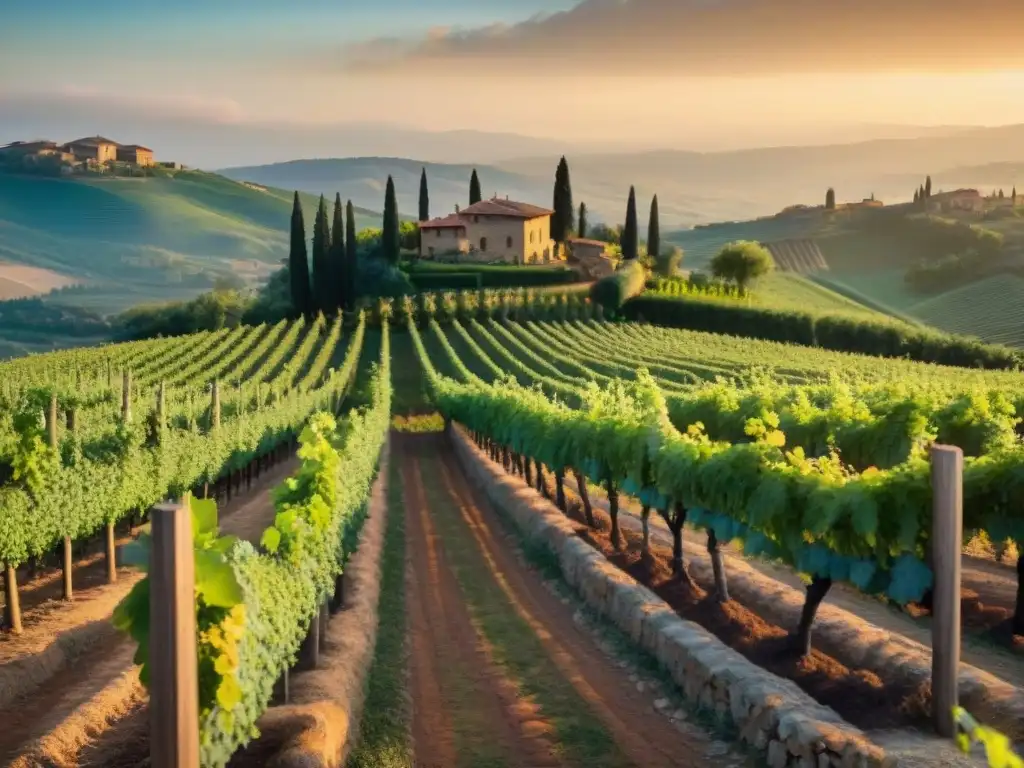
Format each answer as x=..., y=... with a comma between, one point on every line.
x=752, y=456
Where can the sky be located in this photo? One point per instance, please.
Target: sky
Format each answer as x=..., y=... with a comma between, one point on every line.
x=586, y=73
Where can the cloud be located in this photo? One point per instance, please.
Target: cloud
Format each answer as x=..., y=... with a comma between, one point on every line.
x=74, y=100
x=717, y=37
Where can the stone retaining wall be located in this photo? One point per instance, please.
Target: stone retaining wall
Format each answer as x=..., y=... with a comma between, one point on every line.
x=771, y=714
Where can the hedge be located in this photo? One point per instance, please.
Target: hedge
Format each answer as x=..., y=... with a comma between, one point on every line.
x=613, y=291
x=491, y=275
x=446, y=281
x=835, y=332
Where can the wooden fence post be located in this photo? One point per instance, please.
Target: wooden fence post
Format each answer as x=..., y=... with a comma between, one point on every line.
x=947, y=542
x=174, y=690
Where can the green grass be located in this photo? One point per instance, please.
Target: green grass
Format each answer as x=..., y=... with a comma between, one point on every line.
x=384, y=724
x=147, y=239
x=790, y=291
x=410, y=393
x=992, y=309
x=516, y=648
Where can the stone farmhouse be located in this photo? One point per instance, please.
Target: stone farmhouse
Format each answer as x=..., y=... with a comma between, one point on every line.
x=491, y=230
x=92, y=150
x=957, y=200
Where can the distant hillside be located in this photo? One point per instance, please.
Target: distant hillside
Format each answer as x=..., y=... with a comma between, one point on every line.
x=867, y=253
x=134, y=240
x=692, y=187
x=363, y=180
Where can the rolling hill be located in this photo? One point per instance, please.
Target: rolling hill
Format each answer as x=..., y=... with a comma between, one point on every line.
x=126, y=241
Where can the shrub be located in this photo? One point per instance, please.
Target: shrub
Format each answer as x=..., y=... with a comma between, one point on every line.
x=838, y=333
x=613, y=291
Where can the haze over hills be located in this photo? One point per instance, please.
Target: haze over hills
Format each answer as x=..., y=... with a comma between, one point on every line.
x=146, y=239
x=692, y=187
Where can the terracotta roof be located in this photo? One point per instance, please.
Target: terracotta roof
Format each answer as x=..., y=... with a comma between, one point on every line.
x=136, y=147
x=958, y=193
x=587, y=241
x=92, y=141
x=497, y=207
x=447, y=222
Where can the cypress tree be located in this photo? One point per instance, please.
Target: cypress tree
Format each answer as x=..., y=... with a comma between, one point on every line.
x=562, y=218
x=654, y=231
x=337, y=256
x=424, y=197
x=917, y=196
x=582, y=223
x=830, y=199
x=920, y=193
x=1014, y=194
x=298, y=263
x=389, y=239
x=474, y=188
x=629, y=231
x=928, y=187
x=350, y=257
x=322, y=283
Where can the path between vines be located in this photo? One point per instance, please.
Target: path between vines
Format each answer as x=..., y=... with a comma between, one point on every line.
x=500, y=673
x=100, y=687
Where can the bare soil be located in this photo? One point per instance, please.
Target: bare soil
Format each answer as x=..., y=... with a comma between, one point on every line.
x=456, y=674
x=986, y=642
x=48, y=717
x=858, y=695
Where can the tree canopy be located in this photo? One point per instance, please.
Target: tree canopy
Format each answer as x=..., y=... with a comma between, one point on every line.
x=298, y=263
x=742, y=261
x=630, y=236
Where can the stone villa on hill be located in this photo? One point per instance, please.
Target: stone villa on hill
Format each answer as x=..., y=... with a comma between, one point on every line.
x=491, y=230
x=92, y=150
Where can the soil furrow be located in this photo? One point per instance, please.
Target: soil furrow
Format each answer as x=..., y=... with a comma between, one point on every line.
x=563, y=695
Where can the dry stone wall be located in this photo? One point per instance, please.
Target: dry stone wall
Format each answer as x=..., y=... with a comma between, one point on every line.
x=772, y=715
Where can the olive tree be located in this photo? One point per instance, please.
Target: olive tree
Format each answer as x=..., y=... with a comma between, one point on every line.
x=742, y=262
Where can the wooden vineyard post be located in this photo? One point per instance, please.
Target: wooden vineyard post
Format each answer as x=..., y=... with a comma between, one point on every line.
x=947, y=542
x=67, y=590
x=174, y=691
x=111, y=554
x=12, y=605
x=126, y=397
x=215, y=406
x=325, y=616
x=309, y=651
x=161, y=410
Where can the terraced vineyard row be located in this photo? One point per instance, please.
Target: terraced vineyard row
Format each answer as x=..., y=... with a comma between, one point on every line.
x=82, y=459
x=869, y=416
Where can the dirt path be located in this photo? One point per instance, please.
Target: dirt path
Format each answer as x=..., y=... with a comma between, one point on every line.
x=501, y=674
x=102, y=680
x=1003, y=663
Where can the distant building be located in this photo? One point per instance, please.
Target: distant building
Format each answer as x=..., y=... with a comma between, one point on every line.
x=134, y=153
x=957, y=200
x=491, y=230
x=38, y=147
x=94, y=149
x=590, y=257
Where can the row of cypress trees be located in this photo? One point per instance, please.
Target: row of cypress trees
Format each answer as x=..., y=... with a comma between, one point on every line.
x=330, y=286
x=630, y=239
